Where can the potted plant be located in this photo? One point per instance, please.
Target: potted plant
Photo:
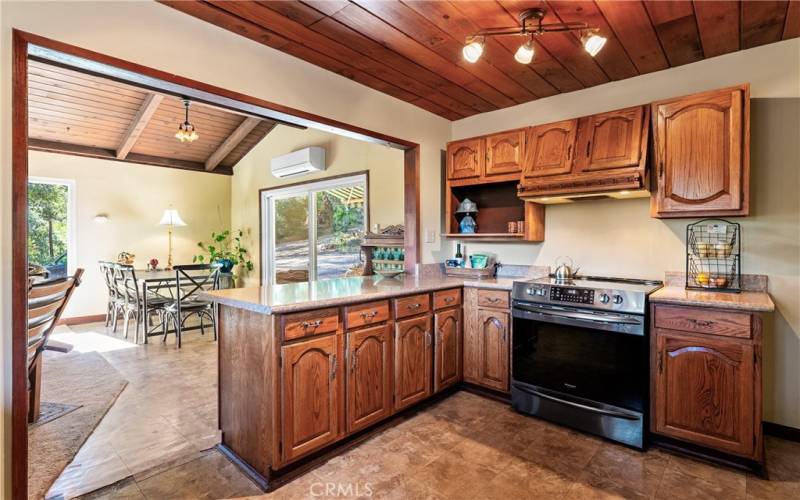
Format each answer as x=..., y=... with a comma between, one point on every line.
x=225, y=249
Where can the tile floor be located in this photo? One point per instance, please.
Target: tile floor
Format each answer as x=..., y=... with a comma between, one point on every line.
x=468, y=447
x=166, y=414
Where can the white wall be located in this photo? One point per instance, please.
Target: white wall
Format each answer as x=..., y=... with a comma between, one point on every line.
x=343, y=155
x=620, y=238
x=134, y=198
x=157, y=36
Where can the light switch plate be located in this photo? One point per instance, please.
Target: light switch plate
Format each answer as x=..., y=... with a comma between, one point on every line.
x=430, y=236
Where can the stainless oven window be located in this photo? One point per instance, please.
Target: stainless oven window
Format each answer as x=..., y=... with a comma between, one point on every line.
x=598, y=365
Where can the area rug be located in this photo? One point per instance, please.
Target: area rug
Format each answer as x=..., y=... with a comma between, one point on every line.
x=85, y=380
x=49, y=411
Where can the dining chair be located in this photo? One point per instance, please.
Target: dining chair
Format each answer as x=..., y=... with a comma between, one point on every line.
x=113, y=304
x=46, y=303
x=191, y=280
x=132, y=305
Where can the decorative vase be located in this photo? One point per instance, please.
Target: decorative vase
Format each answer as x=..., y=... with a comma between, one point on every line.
x=467, y=225
x=226, y=265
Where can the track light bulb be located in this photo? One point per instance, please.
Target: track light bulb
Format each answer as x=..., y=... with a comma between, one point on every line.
x=473, y=50
x=525, y=52
x=593, y=43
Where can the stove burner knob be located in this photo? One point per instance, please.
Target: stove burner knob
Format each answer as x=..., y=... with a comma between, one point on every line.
x=604, y=298
x=618, y=299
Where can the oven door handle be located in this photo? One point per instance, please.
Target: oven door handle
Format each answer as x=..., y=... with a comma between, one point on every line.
x=628, y=416
x=580, y=316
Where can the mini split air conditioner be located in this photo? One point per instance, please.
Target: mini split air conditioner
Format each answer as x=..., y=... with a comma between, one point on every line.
x=299, y=163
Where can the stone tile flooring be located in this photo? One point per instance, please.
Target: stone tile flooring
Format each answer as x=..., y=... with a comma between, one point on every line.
x=469, y=447
x=166, y=414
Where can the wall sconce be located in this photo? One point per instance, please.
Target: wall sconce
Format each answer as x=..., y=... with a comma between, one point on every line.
x=100, y=218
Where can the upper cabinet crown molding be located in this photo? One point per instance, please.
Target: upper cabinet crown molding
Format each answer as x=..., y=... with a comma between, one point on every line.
x=702, y=154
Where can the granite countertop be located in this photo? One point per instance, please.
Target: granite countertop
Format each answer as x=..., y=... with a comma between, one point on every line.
x=292, y=297
x=754, y=296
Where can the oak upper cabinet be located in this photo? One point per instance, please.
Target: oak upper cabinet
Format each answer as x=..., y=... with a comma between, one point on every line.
x=610, y=140
x=310, y=396
x=447, y=348
x=466, y=159
x=505, y=152
x=413, y=356
x=704, y=391
x=549, y=149
x=702, y=154
x=369, y=376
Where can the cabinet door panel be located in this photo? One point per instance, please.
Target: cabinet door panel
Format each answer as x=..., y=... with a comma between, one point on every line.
x=505, y=152
x=447, y=349
x=369, y=382
x=549, y=149
x=699, y=154
x=310, y=400
x=465, y=158
x=705, y=391
x=610, y=140
x=413, y=360
x=494, y=331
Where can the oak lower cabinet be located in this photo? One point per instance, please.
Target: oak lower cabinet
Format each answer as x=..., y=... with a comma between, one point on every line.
x=706, y=388
x=369, y=376
x=702, y=154
x=413, y=358
x=310, y=396
x=447, y=348
x=487, y=336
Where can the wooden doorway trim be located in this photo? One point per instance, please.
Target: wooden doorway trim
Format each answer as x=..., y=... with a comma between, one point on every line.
x=27, y=45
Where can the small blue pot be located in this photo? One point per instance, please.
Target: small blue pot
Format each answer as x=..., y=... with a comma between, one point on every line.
x=226, y=265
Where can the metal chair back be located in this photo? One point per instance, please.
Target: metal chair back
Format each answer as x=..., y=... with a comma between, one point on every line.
x=127, y=285
x=192, y=279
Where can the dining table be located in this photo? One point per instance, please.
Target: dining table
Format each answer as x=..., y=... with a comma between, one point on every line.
x=162, y=283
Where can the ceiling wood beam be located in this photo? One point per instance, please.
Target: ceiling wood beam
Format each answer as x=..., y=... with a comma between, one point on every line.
x=233, y=140
x=108, y=154
x=140, y=121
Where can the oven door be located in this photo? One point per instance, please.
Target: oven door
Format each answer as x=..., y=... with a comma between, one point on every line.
x=580, y=354
x=583, y=370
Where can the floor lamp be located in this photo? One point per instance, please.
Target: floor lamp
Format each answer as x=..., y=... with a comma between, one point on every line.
x=171, y=218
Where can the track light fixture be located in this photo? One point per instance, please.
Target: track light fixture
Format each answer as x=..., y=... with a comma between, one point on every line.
x=591, y=39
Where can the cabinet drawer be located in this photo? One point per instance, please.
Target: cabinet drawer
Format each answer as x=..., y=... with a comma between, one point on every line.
x=493, y=298
x=446, y=298
x=306, y=324
x=366, y=314
x=701, y=320
x=411, y=306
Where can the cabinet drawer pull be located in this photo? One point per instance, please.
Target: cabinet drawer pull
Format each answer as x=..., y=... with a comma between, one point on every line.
x=700, y=322
x=492, y=300
x=333, y=367
x=310, y=325
x=368, y=315
x=414, y=306
x=449, y=299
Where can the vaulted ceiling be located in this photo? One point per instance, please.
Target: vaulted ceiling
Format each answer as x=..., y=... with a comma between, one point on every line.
x=412, y=49
x=77, y=113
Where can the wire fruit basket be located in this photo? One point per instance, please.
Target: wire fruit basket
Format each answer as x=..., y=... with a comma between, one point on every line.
x=714, y=256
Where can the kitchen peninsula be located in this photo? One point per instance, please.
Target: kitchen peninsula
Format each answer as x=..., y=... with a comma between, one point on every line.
x=303, y=366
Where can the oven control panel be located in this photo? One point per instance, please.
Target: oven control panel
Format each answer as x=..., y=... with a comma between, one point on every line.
x=572, y=295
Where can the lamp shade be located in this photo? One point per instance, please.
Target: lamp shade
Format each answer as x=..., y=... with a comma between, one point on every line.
x=171, y=218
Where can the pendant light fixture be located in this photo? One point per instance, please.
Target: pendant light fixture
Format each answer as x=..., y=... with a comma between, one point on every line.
x=592, y=41
x=186, y=131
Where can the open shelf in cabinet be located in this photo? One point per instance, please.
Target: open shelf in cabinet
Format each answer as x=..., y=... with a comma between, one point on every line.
x=498, y=204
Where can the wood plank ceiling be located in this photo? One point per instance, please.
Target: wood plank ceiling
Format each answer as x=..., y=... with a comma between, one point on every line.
x=81, y=114
x=412, y=49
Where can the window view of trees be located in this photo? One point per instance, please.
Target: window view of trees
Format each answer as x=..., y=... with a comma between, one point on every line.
x=340, y=225
x=47, y=226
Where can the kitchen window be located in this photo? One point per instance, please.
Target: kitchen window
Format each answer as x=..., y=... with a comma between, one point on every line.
x=313, y=230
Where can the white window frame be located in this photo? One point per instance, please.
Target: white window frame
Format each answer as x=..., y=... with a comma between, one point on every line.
x=72, y=229
x=310, y=189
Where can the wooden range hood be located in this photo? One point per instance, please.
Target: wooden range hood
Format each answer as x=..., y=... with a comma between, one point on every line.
x=601, y=155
